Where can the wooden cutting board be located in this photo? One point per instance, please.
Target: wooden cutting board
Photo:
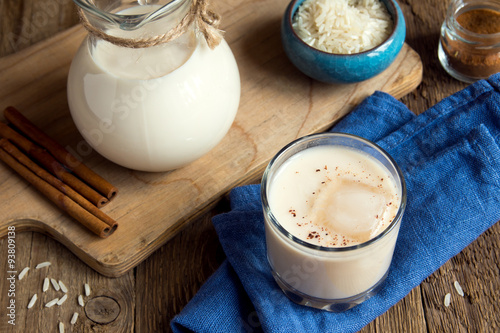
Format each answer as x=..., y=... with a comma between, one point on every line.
x=278, y=104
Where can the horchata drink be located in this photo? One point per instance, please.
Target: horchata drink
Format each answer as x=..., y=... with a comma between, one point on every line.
x=333, y=204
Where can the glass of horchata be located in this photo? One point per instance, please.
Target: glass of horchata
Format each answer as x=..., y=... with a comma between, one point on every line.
x=333, y=205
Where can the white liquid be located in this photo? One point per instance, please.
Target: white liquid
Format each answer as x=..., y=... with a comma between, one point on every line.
x=332, y=196
x=180, y=108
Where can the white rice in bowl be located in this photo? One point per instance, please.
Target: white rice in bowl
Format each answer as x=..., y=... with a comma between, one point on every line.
x=342, y=26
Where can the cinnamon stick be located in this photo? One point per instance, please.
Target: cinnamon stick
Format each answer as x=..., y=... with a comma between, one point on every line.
x=59, y=185
x=90, y=221
x=52, y=165
x=60, y=153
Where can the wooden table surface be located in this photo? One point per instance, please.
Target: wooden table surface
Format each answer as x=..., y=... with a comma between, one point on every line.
x=147, y=297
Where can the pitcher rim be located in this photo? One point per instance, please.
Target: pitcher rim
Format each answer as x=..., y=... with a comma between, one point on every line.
x=135, y=20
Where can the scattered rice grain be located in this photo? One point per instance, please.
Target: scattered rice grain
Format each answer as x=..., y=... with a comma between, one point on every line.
x=342, y=26
x=62, y=300
x=52, y=303
x=55, y=284
x=43, y=264
x=459, y=289
x=63, y=287
x=61, y=327
x=87, y=289
x=32, y=301
x=80, y=300
x=447, y=299
x=74, y=318
x=45, y=286
x=23, y=273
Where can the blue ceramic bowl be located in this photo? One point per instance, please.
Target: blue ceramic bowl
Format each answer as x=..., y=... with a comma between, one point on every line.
x=342, y=68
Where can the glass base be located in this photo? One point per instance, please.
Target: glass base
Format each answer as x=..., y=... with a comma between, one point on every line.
x=331, y=305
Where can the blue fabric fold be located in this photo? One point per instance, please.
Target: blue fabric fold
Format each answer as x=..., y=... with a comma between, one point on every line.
x=450, y=159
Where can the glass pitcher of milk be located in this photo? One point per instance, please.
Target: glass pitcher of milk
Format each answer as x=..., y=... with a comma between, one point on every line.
x=144, y=103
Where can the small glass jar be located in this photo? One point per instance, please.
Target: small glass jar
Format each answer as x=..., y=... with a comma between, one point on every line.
x=469, y=46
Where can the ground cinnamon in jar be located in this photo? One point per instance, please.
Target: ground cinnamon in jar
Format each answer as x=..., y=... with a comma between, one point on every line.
x=470, y=40
x=480, y=21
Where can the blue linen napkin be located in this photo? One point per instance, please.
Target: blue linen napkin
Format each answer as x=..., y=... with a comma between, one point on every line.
x=450, y=158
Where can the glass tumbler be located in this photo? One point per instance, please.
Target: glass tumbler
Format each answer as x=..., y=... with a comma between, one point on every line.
x=334, y=279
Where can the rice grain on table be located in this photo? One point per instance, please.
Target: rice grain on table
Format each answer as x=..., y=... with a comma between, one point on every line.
x=52, y=303
x=61, y=327
x=62, y=286
x=32, y=301
x=342, y=26
x=62, y=300
x=43, y=264
x=80, y=300
x=74, y=318
x=45, y=286
x=87, y=289
x=447, y=299
x=55, y=284
x=23, y=273
x=459, y=289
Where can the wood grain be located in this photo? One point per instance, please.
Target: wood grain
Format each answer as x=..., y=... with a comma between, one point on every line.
x=278, y=104
x=477, y=266
x=178, y=269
